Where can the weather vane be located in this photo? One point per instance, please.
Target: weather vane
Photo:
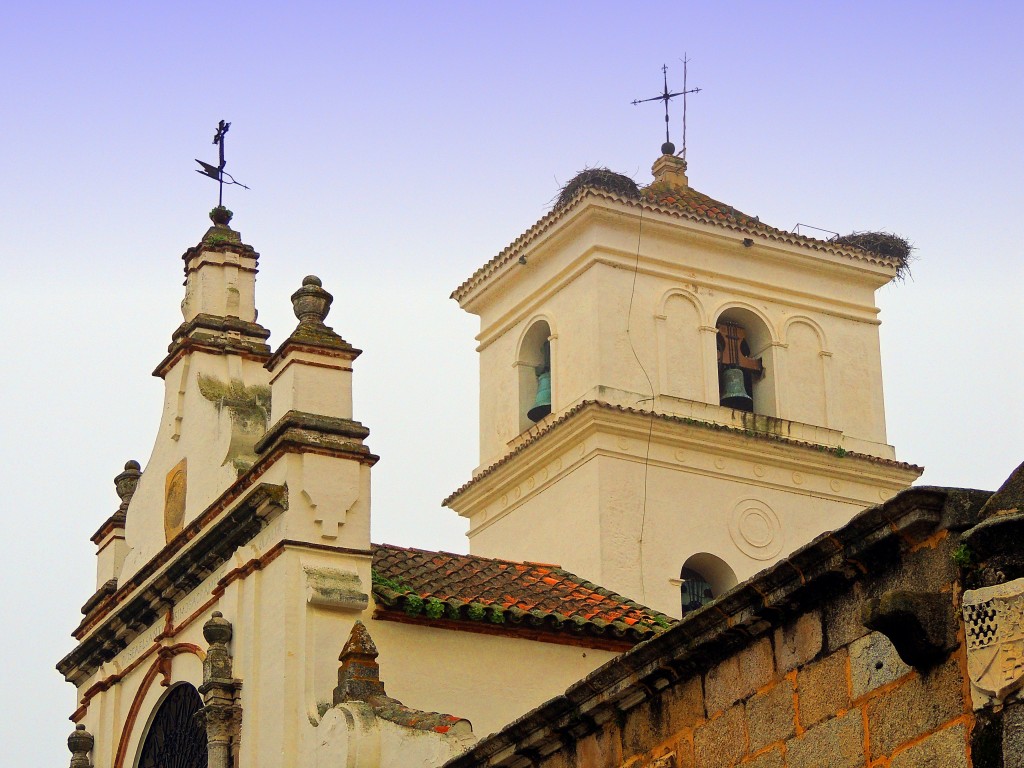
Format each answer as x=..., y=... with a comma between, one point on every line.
x=668, y=147
x=217, y=172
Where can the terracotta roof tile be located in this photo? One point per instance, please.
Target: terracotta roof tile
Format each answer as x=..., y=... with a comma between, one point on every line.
x=436, y=585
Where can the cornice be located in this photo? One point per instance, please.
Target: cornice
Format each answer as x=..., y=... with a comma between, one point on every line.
x=559, y=425
x=556, y=217
x=216, y=335
x=205, y=544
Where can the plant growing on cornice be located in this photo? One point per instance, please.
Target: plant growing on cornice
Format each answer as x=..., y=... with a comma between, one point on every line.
x=962, y=557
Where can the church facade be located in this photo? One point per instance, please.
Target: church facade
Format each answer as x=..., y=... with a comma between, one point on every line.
x=673, y=396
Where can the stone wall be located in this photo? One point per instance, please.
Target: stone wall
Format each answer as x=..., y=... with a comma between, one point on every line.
x=782, y=672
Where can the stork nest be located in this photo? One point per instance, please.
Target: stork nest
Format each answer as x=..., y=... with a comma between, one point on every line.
x=599, y=178
x=886, y=244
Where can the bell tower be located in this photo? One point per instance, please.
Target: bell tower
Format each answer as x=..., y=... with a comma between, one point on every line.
x=673, y=395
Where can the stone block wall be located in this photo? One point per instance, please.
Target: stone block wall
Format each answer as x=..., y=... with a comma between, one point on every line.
x=816, y=690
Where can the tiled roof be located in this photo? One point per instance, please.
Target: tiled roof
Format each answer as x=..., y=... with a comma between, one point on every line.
x=549, y=426
x=690, y=200
x=443, y=586
x=681, y=201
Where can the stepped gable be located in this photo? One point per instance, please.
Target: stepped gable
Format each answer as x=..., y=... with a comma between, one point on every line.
x=446, y=587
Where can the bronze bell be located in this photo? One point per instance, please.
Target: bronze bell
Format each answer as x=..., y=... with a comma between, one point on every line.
x=542, y=403
x=734, y=390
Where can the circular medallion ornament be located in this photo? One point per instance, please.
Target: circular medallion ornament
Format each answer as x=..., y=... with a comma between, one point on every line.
x=798, y=478
x=177, y=736
x=681, y=456
x=755, y=529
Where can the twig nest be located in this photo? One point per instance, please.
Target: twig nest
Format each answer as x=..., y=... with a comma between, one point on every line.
x=599, y=178
x=886, y=244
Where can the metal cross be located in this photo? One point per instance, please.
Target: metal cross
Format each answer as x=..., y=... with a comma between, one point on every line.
x=668, y=147
x=217, y=173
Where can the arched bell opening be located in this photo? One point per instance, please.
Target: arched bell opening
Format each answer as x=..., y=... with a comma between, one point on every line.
x=703, y=577
x=176, y=736
x=745, y=380
x=534, y=365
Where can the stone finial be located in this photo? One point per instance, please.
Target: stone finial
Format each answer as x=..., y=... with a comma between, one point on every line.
x=217, y=665
x=217, y=630
x=671, y=170
x=359, y=674
x=127, y=481
x=80, y=744
x=311, y=302
x=221, y=216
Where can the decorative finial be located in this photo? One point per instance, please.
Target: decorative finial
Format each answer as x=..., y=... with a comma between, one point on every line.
x=221, y=216
x=217, y=629
x=668, y=148
x=359, y=674
x=126, y=482
x=217, y=172
x=311, y=302
x=80, y=744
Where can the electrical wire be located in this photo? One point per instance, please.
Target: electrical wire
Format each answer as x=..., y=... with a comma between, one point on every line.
x=650, y=384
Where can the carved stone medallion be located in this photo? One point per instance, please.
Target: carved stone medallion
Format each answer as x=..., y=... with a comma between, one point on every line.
x=994, y=625
x=174, y=500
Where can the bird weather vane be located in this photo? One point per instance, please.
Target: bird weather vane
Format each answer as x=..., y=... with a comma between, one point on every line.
x=668, y=147
x=217, y=172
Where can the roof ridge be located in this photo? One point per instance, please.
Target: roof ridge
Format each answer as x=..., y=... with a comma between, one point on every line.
x=462, y=554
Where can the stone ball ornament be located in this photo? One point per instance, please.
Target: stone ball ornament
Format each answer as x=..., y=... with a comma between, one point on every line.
x=311, y=302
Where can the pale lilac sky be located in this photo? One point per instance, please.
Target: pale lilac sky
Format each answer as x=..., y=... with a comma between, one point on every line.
x=391, y=150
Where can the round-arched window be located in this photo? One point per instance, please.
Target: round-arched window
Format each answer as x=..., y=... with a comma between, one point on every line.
x=176, y=736
x=695, y=590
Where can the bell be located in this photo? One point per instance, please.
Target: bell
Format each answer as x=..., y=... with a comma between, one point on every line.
x=542, y=403
x=734, y=390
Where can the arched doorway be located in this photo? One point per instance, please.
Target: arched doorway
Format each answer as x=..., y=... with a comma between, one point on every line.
x=176, y=737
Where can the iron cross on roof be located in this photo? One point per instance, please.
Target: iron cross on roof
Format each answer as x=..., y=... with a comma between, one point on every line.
x=217, y=172
x=668, y=148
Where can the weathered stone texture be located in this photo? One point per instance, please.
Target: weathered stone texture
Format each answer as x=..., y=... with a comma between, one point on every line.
x=836, y=743
x=798, y=642
x=1013, y=736
x=722, y=741
x=874, y=663
x=945, y=749
x=919, y=705
x=771, y=716
x=823, y=689
x=683, y=704
x=771, y=759
x=600, y=748
x=842, y=619
x=739, y=676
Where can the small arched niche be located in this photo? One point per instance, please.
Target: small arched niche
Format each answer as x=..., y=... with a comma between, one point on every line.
x=535, y=375
x=703, y=577
x=746, y=381
x=175, y=738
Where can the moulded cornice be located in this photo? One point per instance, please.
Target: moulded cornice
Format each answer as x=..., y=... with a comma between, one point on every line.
x=593, y=416
x=556, y=219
